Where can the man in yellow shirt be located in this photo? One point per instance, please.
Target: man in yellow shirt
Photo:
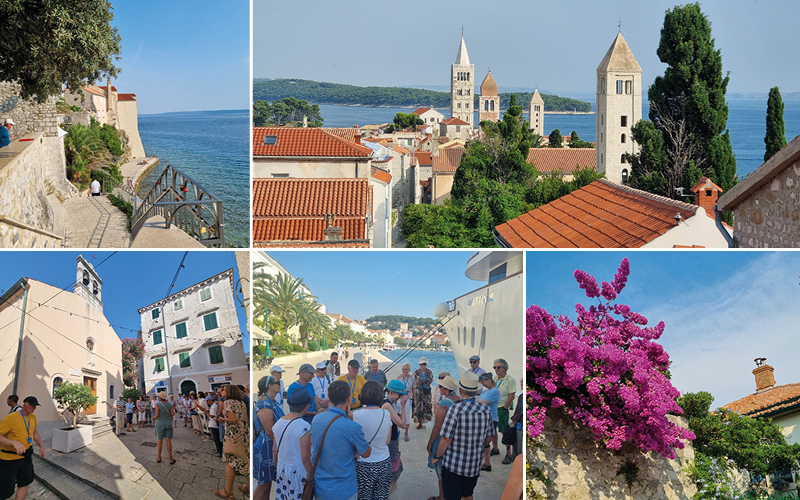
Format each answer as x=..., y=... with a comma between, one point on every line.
x=17, y=433
x=356, y=382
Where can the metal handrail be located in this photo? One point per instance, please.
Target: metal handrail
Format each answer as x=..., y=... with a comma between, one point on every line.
x=184, y=203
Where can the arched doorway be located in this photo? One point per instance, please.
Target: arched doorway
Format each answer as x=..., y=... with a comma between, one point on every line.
x=188, y=386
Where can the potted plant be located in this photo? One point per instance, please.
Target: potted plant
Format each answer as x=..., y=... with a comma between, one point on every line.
x=73, y=399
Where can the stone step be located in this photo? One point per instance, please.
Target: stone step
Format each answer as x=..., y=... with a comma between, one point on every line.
x=64, y=484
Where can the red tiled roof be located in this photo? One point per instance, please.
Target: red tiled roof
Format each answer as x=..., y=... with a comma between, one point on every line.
x=448, y=160
x=768, y=402
x=381, y=175
x=311, y=244
x=105, y=87
x=443, y=139
x=424, y=157
x=313, y=142
x=420, y=111
x=600, y=215
x=126, y=97
x=399, y=149
x=287, y=197
x=454, y=121
x=290, y=212
x=93, y=91
x=348, y=134
x=563, y=160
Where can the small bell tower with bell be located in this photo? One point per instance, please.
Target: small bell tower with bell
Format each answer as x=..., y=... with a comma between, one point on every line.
x=88, y=284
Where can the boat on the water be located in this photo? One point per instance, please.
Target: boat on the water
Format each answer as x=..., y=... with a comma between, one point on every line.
x=489, y=320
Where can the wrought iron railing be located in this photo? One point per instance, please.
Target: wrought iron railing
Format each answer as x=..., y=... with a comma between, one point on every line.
x=183, y=203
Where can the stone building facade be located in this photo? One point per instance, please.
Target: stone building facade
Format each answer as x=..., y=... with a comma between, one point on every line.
x=28, y=115
x=581, y=468
x=766, y=203
x=536, y=113
x=462, y=86
x=192, y=339
x=619, y=107
x=489, y=102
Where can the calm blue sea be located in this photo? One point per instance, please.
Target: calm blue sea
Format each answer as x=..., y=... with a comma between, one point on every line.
x=211, y=147
x=746, y=122
x=437, y=361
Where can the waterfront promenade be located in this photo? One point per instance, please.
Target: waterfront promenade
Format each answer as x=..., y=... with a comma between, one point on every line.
x=417, y=482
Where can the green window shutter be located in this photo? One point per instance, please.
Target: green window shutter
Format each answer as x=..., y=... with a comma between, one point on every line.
x=205, y=294
x=159, y=364
x=186, y=360
x=180, y=330
x=156, y=313
x=210, y=321
x=215, y=353
x=157, y=338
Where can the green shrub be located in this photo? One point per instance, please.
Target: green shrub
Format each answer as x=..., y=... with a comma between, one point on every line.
x=131, y=392
x=74, y=398
x=313, y=345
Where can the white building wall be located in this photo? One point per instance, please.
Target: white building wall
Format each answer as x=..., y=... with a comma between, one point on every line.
x=188, y=308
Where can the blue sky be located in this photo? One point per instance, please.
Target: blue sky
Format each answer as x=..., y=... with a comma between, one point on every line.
x=556, y=47
x=184, y=55
x=363, y=284
x=130, y=279
x=721, y=309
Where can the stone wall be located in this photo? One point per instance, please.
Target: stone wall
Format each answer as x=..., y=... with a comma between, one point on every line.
x=29, y=116
x=770, y=217
x=581, y=468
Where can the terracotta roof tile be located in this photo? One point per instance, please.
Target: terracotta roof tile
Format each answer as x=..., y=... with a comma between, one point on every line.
x=600, y=215
x=312, y=244
x=454, y=121
x=448, y=160
x=348, y=134
x=768, y=402
x=563, y=160
x=425, y=158
x=126, y=97
x=305, y=142
x=287, y=197
x=290, y=212
x=105, y=88
x=399, y=149
x=381, y=175
x=93, y=90
x=420, y=111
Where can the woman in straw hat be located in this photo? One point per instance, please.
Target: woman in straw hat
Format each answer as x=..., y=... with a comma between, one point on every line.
x=163, y=419
x=448, y=387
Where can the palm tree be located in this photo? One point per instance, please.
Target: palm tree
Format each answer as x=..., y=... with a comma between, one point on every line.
x=311, y=320
x=282, y=296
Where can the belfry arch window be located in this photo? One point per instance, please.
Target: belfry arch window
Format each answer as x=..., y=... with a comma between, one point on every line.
x=624, y=175
x=492, y=105
x=486, y=105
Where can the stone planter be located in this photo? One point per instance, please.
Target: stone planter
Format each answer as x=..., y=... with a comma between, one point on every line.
x=69, y=440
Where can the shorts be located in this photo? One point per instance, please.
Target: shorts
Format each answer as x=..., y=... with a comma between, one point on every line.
x=456, y=487
x=165, y=432
x=17, y=472
x=129, y=418
x=502, y=416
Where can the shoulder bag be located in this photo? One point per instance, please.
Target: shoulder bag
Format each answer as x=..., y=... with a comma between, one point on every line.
x=308, y=487
x=234, y=446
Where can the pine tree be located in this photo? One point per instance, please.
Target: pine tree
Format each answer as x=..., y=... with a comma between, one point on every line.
x=776, y=132
x=555, y=139
x=688, y=109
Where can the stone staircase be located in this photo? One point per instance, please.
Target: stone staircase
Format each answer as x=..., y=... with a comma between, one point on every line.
x=101, y=425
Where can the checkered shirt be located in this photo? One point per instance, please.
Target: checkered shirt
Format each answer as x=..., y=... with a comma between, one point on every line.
x=468, y=423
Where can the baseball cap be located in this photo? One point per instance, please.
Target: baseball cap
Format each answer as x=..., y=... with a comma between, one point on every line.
x=320, y=365
x=31, y=400
x=276, y=368
x=9, y=121
x=306, y=368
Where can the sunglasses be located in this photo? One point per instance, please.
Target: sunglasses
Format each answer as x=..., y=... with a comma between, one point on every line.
x=473, y=362
x=441, y=378
x=498, y=367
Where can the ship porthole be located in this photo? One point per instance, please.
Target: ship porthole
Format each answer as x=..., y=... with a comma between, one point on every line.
x=458, y=331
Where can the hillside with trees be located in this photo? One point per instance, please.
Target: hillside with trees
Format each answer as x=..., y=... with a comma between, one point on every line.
x=396, y=97
x=392, y=322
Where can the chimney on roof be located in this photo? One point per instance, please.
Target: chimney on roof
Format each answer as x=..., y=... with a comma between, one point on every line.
x=357, y=136
x=706, y=194
x=332, y=233
x=764, y=375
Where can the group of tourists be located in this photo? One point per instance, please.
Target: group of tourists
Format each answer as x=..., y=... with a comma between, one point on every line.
x=343, y=429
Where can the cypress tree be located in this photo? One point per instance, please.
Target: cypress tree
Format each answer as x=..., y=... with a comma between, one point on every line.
x=555, y=139
x=776, y=132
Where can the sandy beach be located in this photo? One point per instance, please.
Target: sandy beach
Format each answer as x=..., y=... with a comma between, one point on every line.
x=136, y=168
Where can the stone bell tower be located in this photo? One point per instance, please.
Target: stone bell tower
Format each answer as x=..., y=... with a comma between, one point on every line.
x=489, y=102
x=88, y=284
x=462, y=85
x=619, y=107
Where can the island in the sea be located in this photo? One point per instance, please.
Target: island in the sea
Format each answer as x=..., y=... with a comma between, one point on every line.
x=265, y=89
